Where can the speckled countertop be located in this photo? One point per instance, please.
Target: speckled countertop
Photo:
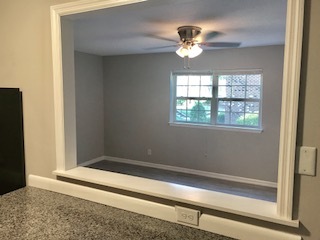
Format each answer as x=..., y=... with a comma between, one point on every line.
x=31, y=213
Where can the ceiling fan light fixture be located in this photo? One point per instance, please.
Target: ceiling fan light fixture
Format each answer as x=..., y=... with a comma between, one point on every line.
x=189, y=51
x=182, y=52
x=195, y=51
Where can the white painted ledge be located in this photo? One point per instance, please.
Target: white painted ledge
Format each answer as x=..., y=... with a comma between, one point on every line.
x=226, y=227
x=248, y=207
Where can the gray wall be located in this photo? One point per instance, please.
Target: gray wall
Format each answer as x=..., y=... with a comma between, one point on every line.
x=306, y=188
x=89, y=106
x=137, y=111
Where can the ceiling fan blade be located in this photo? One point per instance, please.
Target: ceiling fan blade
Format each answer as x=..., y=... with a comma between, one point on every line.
x=212, y=34
x=155, y=48
x=162, y=38
x=221, y=44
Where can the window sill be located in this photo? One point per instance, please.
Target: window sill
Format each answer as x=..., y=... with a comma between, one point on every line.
x=243, y=206
x=216, y=127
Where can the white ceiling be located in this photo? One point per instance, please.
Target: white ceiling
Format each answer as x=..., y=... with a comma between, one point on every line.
x=127, y=29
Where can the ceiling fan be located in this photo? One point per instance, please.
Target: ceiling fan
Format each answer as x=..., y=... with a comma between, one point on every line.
x=190, y=45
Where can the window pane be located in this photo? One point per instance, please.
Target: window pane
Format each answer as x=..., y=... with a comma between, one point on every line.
x=237, y=106
x=253, y=92
x=237, y=118
x=199, y=116
x=205, y=105
x=181, y=115
x=238, y=91
x=206, y=91
x=252, y=107
x=204, y=116
x=225, y=80
x=194, y=80
x=182, y=80
x=182, y=91
x=254, y=79
x=224, y=92
x=181, y=104
x=206, y=80
x=239, y=80
x=251, y=119
x=192, y=116
x=224, y=106
x=223, y=118
x=194, y=91
x=199, y=111
x=192, y=104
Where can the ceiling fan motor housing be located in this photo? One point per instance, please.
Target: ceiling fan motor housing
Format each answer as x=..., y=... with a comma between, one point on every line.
x=188, y=33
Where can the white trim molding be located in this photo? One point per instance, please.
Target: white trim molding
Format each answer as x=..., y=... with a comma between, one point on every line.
x=58, y=89
x=90, y=5
x=289, y=108
x=214, y=224
x=184, y=170
x=230, y=203
x=290, y=93
x=92, y=161
x=216, y=127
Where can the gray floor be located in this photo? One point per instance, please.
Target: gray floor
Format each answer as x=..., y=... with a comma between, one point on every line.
x=35, y=214
x=240, y=189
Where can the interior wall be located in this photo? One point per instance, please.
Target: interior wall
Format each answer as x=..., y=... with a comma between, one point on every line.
x=69, y=94
x=26, y=63
x=89, y=106
x=137, y=108
x=306, y=188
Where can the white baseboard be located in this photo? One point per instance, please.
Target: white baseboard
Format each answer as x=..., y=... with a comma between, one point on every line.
x=185, y=170
x=219, y=225
x=92, y=161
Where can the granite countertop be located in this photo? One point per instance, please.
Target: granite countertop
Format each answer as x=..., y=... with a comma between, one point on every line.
x=32, y=213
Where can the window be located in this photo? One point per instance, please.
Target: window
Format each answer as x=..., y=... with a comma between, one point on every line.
x=221, y=98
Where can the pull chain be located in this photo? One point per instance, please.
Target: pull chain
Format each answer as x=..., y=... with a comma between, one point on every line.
x=186, y=62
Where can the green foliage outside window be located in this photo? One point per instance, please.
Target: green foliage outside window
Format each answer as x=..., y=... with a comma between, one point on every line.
x=250, y=120
x=198, y=113
x=221, y=117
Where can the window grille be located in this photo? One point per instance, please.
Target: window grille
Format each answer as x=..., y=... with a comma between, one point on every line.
x=226, y=98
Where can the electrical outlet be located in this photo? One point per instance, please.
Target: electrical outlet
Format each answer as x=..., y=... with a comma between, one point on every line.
x=187, y=215
x=149, y=152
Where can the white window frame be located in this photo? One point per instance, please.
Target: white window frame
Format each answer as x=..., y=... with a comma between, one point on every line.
x=213, y=124
x=290, y=95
